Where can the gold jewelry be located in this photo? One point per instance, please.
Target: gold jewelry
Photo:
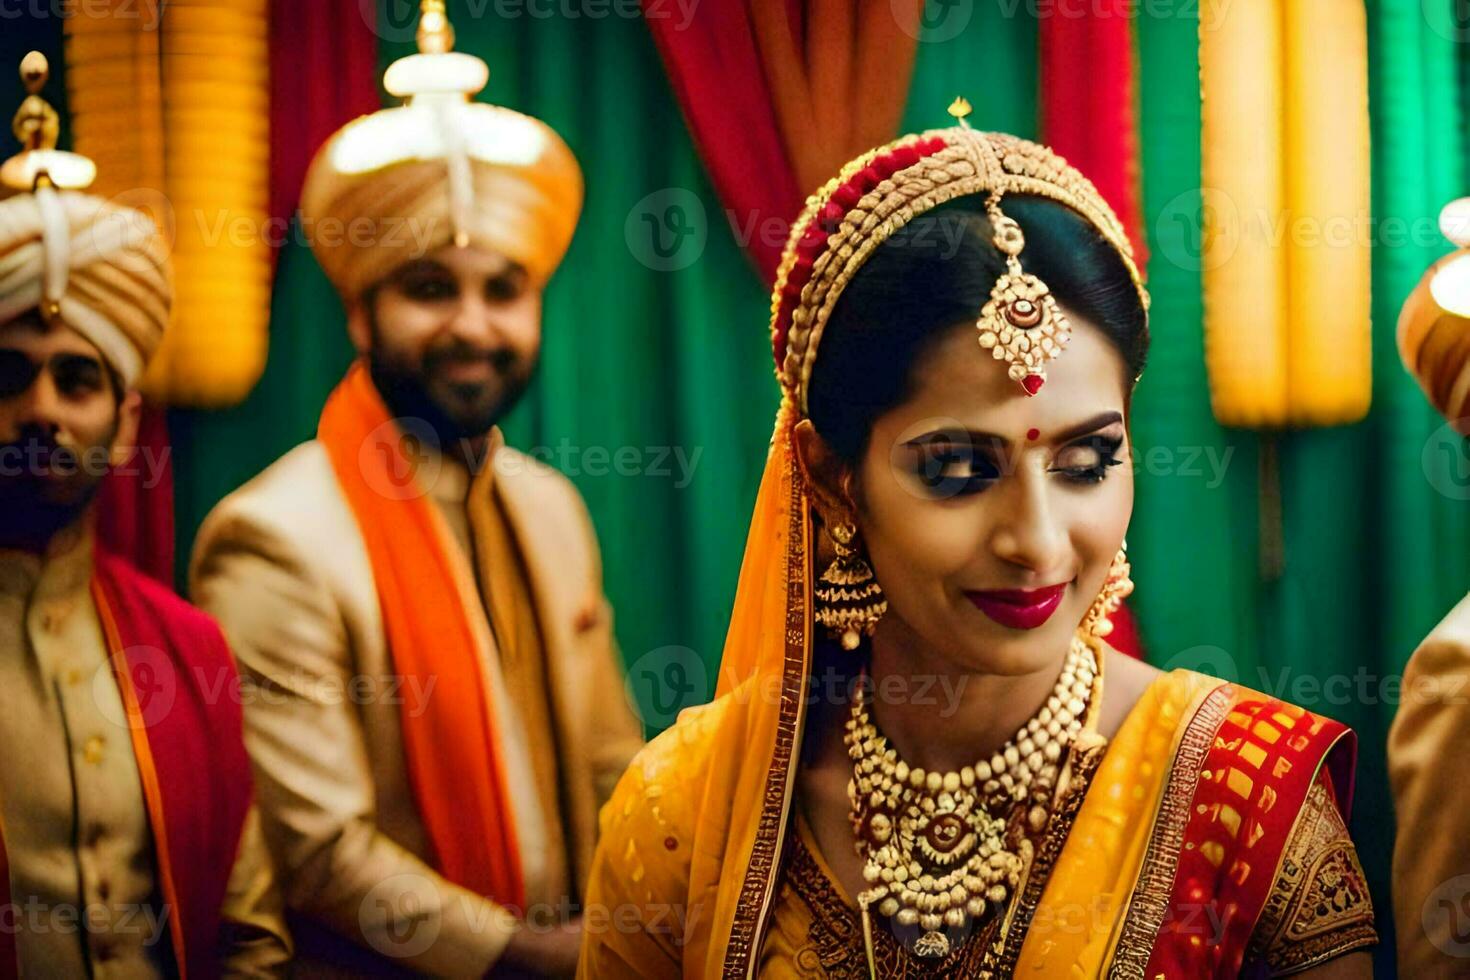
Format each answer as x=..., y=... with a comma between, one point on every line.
x=849, y=599
x=940, y=848
x=1119, y=586
x=886, y=188
x=1021, y=323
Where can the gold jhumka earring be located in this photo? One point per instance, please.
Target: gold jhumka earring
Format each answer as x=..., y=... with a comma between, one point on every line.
x=849, y=599
x=1119, y=586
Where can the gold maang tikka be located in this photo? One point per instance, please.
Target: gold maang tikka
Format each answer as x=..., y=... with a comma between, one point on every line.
x=1021, y=323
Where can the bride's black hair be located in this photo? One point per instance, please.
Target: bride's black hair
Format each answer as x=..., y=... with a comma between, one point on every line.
x=934, y=274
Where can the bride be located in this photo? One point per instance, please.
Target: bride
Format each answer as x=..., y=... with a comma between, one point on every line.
x=923, y=757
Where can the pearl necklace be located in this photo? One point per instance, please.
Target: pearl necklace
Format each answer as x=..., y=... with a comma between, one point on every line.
x=935, y=843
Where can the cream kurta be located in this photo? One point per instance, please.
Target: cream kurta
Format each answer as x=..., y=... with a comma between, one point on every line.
x=1426, y=751
x=283, y=567
x=76, y=829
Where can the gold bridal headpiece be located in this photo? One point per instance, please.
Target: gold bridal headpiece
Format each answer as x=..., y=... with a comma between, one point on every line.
x=882, y=190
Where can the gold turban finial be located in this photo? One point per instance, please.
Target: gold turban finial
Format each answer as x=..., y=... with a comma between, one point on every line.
x=960, y=109
x=436, y=34
x=437, y=70
x=38, y=128
x=36, y=123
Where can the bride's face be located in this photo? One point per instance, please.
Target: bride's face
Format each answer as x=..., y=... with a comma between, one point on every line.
x=991, y=517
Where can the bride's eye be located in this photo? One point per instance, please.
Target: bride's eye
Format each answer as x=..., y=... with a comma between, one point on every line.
x=948, y=471
x=1088, y=461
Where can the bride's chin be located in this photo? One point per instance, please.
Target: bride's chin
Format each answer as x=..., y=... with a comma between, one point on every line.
x=1012, y=653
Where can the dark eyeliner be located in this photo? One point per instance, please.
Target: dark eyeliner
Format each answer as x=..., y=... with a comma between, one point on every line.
x=1106, y=448
x=936, y=461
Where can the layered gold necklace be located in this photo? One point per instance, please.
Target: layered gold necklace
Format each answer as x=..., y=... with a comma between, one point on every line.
x=938, y=858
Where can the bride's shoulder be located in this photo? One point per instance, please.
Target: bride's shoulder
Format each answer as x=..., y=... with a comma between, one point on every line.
x=659, y=793
x=649, y=824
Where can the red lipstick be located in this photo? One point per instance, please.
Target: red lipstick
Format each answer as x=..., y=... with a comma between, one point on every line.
x=1020, y=609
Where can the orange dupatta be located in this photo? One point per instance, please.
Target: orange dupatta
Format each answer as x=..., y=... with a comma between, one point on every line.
x=429, y=602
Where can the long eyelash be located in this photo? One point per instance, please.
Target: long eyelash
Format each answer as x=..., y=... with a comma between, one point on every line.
x=934, y=463
x=1106, y=448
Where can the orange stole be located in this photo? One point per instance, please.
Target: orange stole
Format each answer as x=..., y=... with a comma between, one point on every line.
x=428, y=600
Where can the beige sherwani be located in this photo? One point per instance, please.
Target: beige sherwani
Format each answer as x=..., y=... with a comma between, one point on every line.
x=77, y=837
x=1427, y=748
x=282, y=565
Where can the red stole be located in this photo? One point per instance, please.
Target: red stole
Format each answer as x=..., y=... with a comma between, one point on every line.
x=1249, y=791
x=180, y=689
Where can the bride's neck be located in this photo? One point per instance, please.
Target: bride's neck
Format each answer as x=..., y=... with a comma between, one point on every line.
x=941, y=716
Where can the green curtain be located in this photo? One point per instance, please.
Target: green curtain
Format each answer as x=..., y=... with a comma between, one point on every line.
x=1374, y=517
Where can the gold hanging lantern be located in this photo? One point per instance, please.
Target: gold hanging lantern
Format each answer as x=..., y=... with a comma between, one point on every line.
x=1286, y=261
x=174, y=103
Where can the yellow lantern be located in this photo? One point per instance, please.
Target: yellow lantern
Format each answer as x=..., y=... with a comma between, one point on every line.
x=173, y=102
x=1284, y=164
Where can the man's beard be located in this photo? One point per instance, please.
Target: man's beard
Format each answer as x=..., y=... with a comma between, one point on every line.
x=410, y=394
x=34, y=507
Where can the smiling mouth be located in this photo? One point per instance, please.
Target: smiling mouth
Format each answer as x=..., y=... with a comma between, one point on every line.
x=468, y=372
x=1022, y=609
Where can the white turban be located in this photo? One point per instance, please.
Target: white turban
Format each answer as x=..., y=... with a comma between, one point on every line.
x=103, y=268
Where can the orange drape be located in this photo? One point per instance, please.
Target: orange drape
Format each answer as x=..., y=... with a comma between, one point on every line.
x=451, y=749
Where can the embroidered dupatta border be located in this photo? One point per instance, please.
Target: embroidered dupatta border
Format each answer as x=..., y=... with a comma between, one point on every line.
x=756, y=891
x=1154, y=889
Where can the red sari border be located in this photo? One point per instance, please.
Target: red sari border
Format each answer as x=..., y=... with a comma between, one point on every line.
x=1244, y=798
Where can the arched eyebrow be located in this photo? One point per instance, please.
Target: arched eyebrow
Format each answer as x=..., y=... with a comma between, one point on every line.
x=975, y=437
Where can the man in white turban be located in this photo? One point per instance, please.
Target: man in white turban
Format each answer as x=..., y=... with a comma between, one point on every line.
x=129, y=842
x=443, y=818
x=1431, y=857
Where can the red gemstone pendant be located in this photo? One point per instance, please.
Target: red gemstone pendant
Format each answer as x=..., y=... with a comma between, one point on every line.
x=1032, y=383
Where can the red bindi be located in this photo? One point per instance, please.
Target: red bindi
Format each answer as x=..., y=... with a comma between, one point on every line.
x=1033, y=434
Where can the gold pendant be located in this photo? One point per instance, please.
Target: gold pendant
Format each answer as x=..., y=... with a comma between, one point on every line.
x=932, y=945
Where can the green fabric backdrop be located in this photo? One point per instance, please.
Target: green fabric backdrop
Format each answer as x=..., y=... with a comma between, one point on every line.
x=660, y=345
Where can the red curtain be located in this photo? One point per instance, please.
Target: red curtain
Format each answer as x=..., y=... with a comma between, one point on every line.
x=1089, y=114
x=324, y=73
x=135, y=507
x=1088, y=104
x=778, y=94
